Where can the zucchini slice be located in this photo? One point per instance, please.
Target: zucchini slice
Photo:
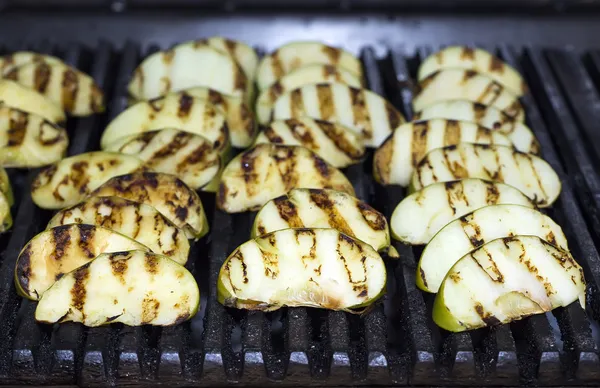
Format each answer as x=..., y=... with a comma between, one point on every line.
x=29, y=140
x=321, y=268
x=138, y=221
x=459, y=84
x=60, y=250
x=333, y=142
x=20, y=58
x=28, y=100
x=134, y=288
x=473, y=230
x=164, y=192
x=311, y=74
x=74, y=91
x=319, y=208
x=361, y=110
x=190, y=157
x=528, y=173
x=519, y=134
x=181, y=111
x=396, y=158
x=295, y=55
x=244, y=55
x=268, y=171
x=521, y=276
x=187, y=65
x=467, y=58
x=69, y=181
x=422, y=214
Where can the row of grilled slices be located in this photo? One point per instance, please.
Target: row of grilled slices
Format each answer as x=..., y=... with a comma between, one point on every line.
x=313, y=243
x=476, y=182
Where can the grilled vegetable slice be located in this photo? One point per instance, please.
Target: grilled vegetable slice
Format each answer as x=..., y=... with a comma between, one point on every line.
x=302, y=267
x=180, y=111
x=467, y=58
x=528, y=173
x=422, y=214
x=6, y=220
x=295, y=55
x=164, y=192
x=138, y=221
x=267, y=171
x=240, y=119
x=74, y=91
x=29, y=140
x=187, y=65
x=333, y=142
x=190, y=157
x=6, y=187
x=28, y=100
x=459, y=84
x=311, y=74
x=488, y=116
x=359, y=109
x=20, y=58
x=318, y=208
x=473, y=230
x=521, y=276
x=396, y=158
x=69, y=181
x=243, y=54
x=134, y=288
x=60, y=250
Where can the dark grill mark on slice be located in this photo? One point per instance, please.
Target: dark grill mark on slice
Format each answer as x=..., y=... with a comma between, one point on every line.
x=118, y=267
x=336, y=219
x=467, y=53
x=339, y=138
x=41, y=77
x=17, y=127
x=321, y=166
x=297, y=103
x=288, y=212
x=248, y=167
x=326, y=102
x=496, y=65
x=419, y=141
x=181, y=318
x=476, y=239
x=361, y=113
x=62, y=239
x=551, y=238
x=185, y=105
x=452, y=133
x=303, y=133
x=78, y=291
x=275, y=91
x=167, y=56
x=499, y=277
x=423, y=279
x=181, y=213
x=240, y=81
x=86, y=237
x=150, y=310
x=382, y=159
x=151, y=264
x=24, y=268
x=486, y=317
x=468, y=74
x=277, y=65
x=332, y=53
x=375, y=219
x=492, y=193
x=230, y=45
x=394, y=117
x=70, y=88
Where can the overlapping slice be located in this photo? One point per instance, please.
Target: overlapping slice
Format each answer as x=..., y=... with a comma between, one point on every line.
x=69, y=181
x=319, y=208
x=28, y=100
x=268, y=171
x=164, y=192
x=459, y=84
x=135, y=288
x=396, y=158
x=310, y=74
x=333, y=142
x=521, y=276
x=302, y=267
x=528, y=173
x=190, y=157
x=60, y=250
x=20, y=58
x=138, y=221
x=28, y=140
x=488, y=116
x=295, y=55
x=359, y=109
x=6, y=187
x=422, y=214
x=475, y=229
x=243, y=54
x=180, y=111
x=467, y=58
x=74, y=91
x=187, y=65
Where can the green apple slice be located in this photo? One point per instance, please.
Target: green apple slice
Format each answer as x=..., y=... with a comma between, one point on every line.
x=28, y=100
x=20, y=58
x=519, y=276
x=361, y=110
x=134, y=288
x=6, y=187
x=473, y=230
x=491, y=117
x=310, y=74
x=396, y=158
x=467, y=58
x=268, y=171
x=60, y=250
x=138, y=221
x=530, y=174
x=164, y=192
x=333, y=142
x=459, y=84
x=6, y=220
x=321, y=268
x=70, y=180
x=422, y=214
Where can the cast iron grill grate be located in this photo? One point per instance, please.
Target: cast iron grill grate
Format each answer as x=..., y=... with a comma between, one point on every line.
x=396, y=343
